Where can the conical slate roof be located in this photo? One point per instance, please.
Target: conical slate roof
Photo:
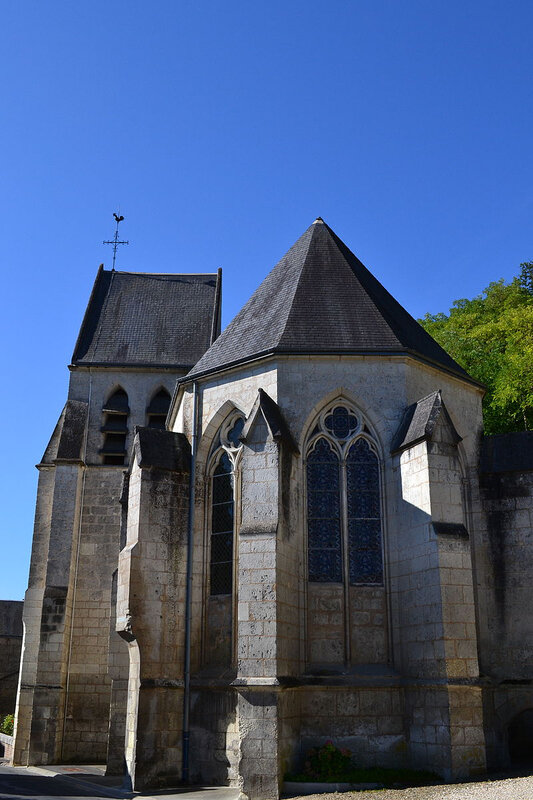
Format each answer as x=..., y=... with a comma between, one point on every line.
x=320, y=299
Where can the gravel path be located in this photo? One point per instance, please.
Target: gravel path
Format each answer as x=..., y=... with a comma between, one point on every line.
x=508, y=789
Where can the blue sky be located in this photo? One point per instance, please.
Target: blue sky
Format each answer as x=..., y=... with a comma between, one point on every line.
x=221, y=130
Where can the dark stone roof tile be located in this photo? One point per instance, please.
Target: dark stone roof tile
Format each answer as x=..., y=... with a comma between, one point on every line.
x=274, y=420
x=160, y=449
x=148, y=319
x=419, y=420
x=321, y=299
x=67, y=440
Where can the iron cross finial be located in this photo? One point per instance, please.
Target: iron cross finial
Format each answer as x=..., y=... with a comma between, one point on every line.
x=115, y=241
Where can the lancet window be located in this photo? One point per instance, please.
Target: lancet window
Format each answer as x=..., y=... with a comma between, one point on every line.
x=223, y=486
x=158, y=409
x=115, y=427
x=343, y=501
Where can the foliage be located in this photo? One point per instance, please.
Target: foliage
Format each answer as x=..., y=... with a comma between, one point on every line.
x=526, y=276
x=327, y=763
x=6, y=726
x=491, y=337
x=330, y=764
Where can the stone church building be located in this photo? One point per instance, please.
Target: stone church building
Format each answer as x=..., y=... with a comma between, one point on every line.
x=247, y=543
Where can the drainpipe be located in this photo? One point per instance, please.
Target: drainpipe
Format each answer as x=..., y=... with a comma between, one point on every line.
x=188, y=594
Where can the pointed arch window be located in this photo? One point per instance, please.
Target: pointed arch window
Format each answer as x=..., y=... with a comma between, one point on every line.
x=157, y=410
x=343, y=502
x=222, y=521
x=324, y=513
x=115, y=427
x=222, y=533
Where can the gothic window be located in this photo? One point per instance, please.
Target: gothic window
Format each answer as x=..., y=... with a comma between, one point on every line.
x=323, y=513
x=363, y=514
x=343, y=502
x=115, y=428
x=158, y=409
x=227, y=452
x=222, y=516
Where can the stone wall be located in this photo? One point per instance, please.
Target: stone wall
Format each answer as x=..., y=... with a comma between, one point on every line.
x=33, y=601
x=368, y=720
x=48, y=622
x=504, y=566
x=150, y=603
x=507, y=507
x=88, y=692
x=214, y=735
x=10, y=649
x=6, y=746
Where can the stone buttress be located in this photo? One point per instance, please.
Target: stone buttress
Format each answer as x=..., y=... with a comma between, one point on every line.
x=49, y=597
x=268, y=612
x=433, y=596
x=150, y=605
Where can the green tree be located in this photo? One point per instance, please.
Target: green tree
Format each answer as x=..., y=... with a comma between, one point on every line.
x=526, y=276
x=491, y=336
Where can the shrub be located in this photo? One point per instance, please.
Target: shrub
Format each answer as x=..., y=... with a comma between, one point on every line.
x=7, y=724
x=331, y=764
x=328, y=763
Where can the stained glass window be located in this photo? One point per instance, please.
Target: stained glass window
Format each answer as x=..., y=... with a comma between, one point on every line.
x=341, y=423
x=323, y=514
x=364, y=514
x=343, y=504
x=235, y=432
x=222, y=511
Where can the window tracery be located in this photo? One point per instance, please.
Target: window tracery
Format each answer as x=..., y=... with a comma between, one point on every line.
x=343, y=501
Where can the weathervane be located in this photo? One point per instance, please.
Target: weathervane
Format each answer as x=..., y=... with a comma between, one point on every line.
x=115, y=242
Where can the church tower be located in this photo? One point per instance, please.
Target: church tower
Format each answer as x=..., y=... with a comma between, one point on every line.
x=141, y=331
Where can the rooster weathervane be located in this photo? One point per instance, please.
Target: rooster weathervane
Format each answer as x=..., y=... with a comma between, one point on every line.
x=115, y=241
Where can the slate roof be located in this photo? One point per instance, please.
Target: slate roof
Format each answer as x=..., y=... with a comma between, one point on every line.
x=144, y=319
x=321, y=299
x=66, y=442
x=419, y=420
x=162, y=450
x=274, y=420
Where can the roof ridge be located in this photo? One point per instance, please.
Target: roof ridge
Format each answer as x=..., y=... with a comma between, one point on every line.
x=334, y=239
x=163, y=274
x=297, y=284
x=387, y=304
x=244, y=322
x=386, y=317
